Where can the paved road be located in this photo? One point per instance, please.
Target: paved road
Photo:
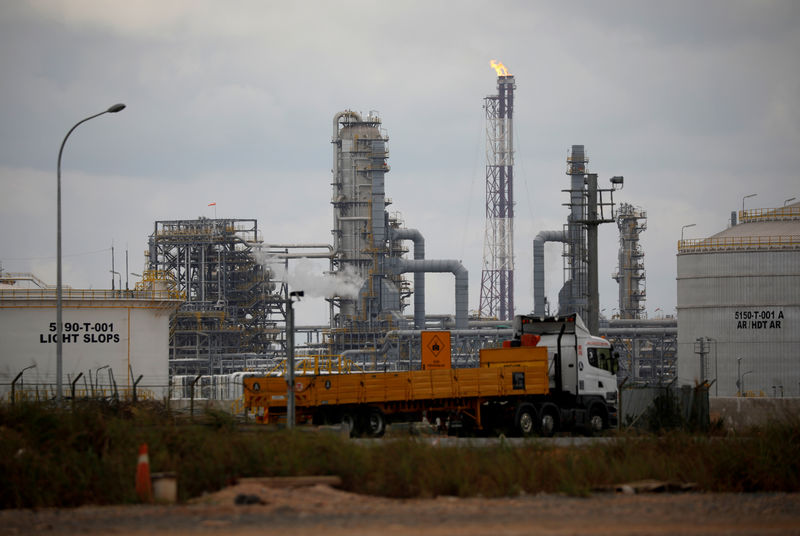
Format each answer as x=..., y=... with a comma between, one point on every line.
x=446, y=441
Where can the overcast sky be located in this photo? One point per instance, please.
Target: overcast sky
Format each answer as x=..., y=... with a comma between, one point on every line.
x=694, y=103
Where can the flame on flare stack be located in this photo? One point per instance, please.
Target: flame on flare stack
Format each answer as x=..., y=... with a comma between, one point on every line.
x=499, y=68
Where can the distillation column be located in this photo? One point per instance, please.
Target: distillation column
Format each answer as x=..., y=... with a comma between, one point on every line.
x=359, y=223
x=573, y=297
x=630, y=274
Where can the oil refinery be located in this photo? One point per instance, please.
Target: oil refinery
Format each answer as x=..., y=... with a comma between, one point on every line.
x=214, y=306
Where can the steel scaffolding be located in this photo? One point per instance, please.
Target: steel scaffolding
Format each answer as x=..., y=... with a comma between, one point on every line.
x=234, y=311
x=497, y=276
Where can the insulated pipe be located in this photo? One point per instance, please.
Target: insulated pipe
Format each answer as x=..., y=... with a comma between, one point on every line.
x=455, y=267
x=338, y=116
x=637, y=331
x=292, y=246
x=476, y=332
x=390, y=339
x=419, y=277
x=660, y=322
x=538, y=266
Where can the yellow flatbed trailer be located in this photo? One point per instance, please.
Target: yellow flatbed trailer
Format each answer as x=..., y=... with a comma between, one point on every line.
x=506, y=379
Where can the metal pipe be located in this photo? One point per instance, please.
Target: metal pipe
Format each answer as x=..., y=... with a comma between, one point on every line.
x=394, y=335
x=294, y=246
x=341, y=114
x=622, y=322
x=617, y=332
x=419, y=277
x=453, y=266
x=480, y=332
x=301, y=255
x=593, y=309
x=538, y=266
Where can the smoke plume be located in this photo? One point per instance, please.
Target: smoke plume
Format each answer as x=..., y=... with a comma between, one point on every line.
x=303, y=275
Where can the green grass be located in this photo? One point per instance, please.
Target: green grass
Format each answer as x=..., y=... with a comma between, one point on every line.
x=88, y=455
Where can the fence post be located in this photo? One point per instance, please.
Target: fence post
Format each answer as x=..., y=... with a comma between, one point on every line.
x=134, y=386
x=191, y=407
x=72, y=389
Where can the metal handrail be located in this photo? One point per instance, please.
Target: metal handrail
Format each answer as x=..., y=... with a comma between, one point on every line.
x=769, y=214
x=91, y=294
x=728, y=243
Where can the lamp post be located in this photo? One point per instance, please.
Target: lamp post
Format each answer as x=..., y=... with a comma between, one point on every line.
x=686, y=227
x=290, y=401
x=789, y=201
x=745, y=197
x=59, y=290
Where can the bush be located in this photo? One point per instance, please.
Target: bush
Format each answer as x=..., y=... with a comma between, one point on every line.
x=87, y=454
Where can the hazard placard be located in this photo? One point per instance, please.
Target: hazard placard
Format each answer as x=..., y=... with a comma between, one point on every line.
x=435, y=350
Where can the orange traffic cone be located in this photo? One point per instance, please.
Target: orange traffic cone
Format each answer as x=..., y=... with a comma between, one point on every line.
x=143, y=487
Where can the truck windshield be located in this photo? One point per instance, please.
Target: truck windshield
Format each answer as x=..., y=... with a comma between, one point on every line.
x=601, y=358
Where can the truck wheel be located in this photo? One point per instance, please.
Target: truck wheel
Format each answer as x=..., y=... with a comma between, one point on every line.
x=548, y=422
x=597, y=419
x=525, y=422
x=375, y=423
x=348, y=423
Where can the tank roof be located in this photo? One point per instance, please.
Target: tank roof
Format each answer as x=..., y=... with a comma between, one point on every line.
x=762, y=228
x=758, y=229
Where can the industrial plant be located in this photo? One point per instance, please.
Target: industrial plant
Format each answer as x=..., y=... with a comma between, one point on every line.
x=214, y=305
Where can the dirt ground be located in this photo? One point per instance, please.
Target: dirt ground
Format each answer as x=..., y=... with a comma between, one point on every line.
x=321, y=509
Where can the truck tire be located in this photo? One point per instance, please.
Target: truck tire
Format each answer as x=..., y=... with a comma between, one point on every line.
x=375, y=423
x=598, y=419
x=548, y=420
x=348, y=423
x=525, y=420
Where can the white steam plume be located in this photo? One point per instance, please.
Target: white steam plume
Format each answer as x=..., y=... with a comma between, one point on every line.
x=302, y=275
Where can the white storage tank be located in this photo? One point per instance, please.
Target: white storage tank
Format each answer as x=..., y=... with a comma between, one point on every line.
x=110, y=336
x=739, y=291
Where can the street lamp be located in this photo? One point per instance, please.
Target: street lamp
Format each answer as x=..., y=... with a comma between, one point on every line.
x=745, y=197
x=686, y=227
x=59, y=290
x=789, y=200
x=290, y=401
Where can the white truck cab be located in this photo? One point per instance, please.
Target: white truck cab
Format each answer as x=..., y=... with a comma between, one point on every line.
x=582, y=368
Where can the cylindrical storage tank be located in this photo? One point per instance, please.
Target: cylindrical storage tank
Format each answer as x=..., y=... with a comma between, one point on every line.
x=739, y=291
x=110, y=338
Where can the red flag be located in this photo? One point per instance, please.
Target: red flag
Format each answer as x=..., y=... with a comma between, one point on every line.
x=212, y=204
